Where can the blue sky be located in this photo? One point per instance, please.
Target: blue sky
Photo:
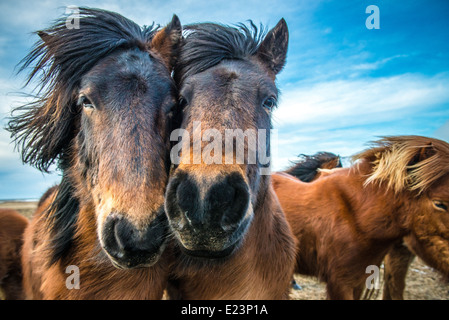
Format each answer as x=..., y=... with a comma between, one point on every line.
x=343, y=84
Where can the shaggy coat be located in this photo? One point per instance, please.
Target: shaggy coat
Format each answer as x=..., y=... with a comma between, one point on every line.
x=12, y=226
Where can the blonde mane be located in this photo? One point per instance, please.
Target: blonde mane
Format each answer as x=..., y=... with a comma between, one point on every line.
x=410, y=163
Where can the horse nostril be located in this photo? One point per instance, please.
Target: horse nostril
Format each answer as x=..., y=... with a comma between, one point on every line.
x=182, y=199
x=130, y=247
x=229, y=199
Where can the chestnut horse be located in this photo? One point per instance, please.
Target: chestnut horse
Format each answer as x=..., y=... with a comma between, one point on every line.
x=105, y=111
x=348, y=220
x=12, y=226
x=398, y=259
x=232, y=240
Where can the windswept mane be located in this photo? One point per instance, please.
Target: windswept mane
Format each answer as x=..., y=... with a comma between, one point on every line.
x=207, y=44
x=307, y=167
x=410, y=163
x=61, y=57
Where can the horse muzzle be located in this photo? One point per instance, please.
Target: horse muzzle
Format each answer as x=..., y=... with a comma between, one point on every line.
x=129, y=247
x=209, y=219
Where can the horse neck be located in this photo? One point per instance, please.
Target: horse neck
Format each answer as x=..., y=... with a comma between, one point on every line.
x=267, y=207
x=270, y=237
x=86, y=232
x=375, y=210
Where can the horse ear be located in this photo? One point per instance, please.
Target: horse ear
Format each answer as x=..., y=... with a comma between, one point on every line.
x=273, y=49
x=44, y=36
x=167, y=41
x=422, y=154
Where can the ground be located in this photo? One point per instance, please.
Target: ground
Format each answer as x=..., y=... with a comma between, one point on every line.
x=423, y=283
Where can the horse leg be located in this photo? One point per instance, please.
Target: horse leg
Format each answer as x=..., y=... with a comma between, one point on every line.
x=396, y=262
x=358, y=291
x=12, y=286
x=336, y=291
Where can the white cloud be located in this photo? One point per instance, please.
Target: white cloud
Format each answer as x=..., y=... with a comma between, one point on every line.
x=360, y=101
x=377, y=64
x=341, y=116
x=31, y=16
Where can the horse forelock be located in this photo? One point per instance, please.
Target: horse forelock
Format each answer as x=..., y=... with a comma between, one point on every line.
x=207, y=44
x=393, y=161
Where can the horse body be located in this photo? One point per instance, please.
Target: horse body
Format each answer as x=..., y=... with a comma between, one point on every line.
x=105, y=115
x=398, y=258
x=349, y=219
x=12, y=227
x=335, y=239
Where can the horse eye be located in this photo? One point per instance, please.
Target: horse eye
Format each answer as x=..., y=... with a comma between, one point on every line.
x=269, y=103
x=86, y=103
x=182, y=102
x=440, y=205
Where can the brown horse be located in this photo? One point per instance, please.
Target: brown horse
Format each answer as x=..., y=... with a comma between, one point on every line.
x=398, y=259
x=232, y=239
x=12, y=226
x=348, y=220
x=105, y=113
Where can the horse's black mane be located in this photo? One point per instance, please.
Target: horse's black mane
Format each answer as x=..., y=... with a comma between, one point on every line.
x=207, y=44
x=306, y=168
x=45, y=129
x=62, y=56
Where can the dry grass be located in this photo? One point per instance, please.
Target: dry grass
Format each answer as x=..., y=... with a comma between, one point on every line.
x=422, y=283
x=24, y=207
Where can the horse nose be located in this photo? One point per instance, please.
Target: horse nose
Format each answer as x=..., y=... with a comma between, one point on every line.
x=130, y=247
x=221, y=204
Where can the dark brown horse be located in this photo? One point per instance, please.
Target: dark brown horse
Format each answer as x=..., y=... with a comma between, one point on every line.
x=232, y=239
x=104, y=113
x=12, y=226
x=348, y=220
